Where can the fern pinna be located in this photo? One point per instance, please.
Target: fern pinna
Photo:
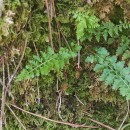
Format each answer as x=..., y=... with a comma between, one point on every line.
x=113, y=72
x=47, y=62
x=88, y=27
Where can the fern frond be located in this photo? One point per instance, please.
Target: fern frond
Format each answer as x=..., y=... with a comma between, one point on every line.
x=112, y=72
x=124, y=45
x=85, y=21
x=47, y=62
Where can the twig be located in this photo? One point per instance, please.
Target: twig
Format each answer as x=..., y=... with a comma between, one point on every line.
x=58, y=27
x=10, y=94
x=16, y=118
x=49, y=24
x=65, y=40
x=36, y=49
x=78, y=99
x=59, y=105
x=6, y=88
x=8, y=71
x=127, y=113
x=57, y=85
x=9, y=82
x=38, y=93
x=57, y=23
x=54, y=121
x=58, y=102
x=78, y=57
x=3, y=97
x=1, y=7
x=1, y=82
x=51, y=11
x=125, y=126
x=13, y=75
x=103, y=125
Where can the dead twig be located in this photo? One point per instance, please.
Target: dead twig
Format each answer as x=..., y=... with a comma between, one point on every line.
x=78, y=57
x=78, y=99
x=65, y=40
x=7, y=87
x=11, y=78
x=127, y=113
x=8, y=71
x=58, y=27
x=100, y=123
x=36, y=49
x=123, y=128
x=59, y=105
x=49, y=24
x=1, y=82
x=57, y=23
x=58, y=102
x=1, y=7
x=54, y=121
x=3, y=97
x=16, y=117
x=38, y=93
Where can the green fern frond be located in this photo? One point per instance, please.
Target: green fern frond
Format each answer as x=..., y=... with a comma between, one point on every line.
x=124, y=45
x=47, y=62
x=88, y=27
x=112, y=72
x=85, y=21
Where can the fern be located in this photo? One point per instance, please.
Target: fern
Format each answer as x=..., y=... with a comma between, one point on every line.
x=47, y=62
x=124, y=49
x=124, y=45
x=109, y=29
x=112, y=72
x=126, y=55
x=88, y=27
x=85, y=21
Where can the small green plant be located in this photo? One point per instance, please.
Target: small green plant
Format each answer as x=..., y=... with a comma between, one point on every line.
x=110, y=30
x=88, y=27
x=46, y=62
x=113, y=72
x=124, y=45
x=85, y=22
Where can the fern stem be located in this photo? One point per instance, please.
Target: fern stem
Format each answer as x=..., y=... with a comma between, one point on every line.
x=116, y=73
x=125, y=116
x=119, y=76
x=40, y=65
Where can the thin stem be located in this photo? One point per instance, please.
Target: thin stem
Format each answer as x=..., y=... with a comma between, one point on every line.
x=38, y=93
x=1, y=7
x=57, y=23
x=103, y=125
x=40, y=65
x=116, y=73
x=59, y=105
x=125, y=126
x=127, y=113
x=59, y=30
x=8, y=71
x=54, y=121
x=49, y=24
x=16, y=117
x=3, y=97
x=78, y=57
x=78, y=99
x=11, y=78
x=36, y=49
